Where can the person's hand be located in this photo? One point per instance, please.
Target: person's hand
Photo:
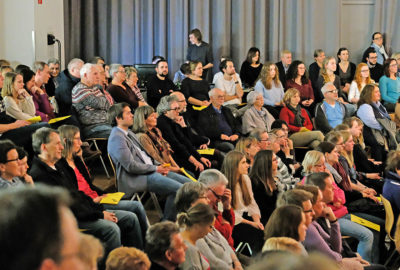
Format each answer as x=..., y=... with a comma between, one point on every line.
x=361, y=260
x=79, y=153
x=142, y=103
x=305, y=103
x=257, y=225
x=375, y=176
x=99, y=198
x=22, y=93
x=234, y=137
x=370, y=191
x=203, y=146
x=205, y=162
x=180, y=121
x=36, y=89
x=198, y=166
x=310, y=101
x=21, y=123
x=296, y=166
x=205, y=103
x=162, y=170
x=285, y=148
x=227, y=199
x=328, y=213
x=225, y=137
x=110, y=216
x=28, y=179
x=346, y=88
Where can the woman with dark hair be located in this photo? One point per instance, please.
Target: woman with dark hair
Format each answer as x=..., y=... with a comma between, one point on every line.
x=251, y=67
x=196, y=223
x=145, y=127
x=269, y=85
x=235, y=168
x=39, y=97
x=297, y=78
x=262, y=176
x=389, y=84
x=200, y=51
x=345, y=69
x=287, y=221
x=378, y=132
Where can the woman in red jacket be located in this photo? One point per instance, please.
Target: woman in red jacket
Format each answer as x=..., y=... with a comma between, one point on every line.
x=299, y=123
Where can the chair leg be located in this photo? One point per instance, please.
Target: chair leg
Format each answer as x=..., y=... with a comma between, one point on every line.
x=156, y=204
x=101, y=159
x=139, y=199
x=394, y=252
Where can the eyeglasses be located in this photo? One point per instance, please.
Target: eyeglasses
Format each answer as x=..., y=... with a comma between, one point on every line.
x=308, y=211
x=393, y=65
x=174, y=109
x=333, y=91
x=365, y=70
x=219, y=197
x=11, y=160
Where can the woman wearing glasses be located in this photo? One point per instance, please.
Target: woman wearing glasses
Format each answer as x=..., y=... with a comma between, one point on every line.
x=361, y=78
x=389, y=84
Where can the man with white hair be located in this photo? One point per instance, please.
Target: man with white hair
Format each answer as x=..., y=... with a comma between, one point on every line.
x=66, y=80
x=218, y=123
x=91, y=103
x=330, y=112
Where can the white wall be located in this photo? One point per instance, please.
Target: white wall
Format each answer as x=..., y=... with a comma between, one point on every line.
x=24, y=25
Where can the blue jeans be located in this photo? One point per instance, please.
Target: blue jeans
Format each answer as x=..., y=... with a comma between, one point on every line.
x=166, y=185
x=364, y=236
x=134, y=207
x=125, y=232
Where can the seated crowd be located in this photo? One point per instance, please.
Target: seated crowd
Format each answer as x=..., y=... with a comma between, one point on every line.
x=273, y=160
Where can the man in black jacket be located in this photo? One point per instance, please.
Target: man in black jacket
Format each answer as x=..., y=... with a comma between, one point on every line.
x=283, y=66
x=113, y=228
x=65, y=82
x=218, y=123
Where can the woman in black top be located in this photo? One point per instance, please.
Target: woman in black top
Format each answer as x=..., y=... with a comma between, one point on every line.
x=194, y=87
x=265, y=192
x=251, y=67
x=345, y=69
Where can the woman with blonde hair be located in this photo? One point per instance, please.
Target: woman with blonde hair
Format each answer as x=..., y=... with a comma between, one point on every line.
x=90, y=251
x=131, y=81
x=327, y=74
x=361, y=78
x=248, y=146
x=127, y=258
x=235, y=168
x=17, y=101
x=299, y=123
x=271, y=88
x=196, y=223
x=282, y=243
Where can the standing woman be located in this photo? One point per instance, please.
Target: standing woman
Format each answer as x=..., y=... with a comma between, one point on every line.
x=361, y=78
x=251, y=67
x=271, y=88
x=297, y=78
x=196, y=223
x=389, y=84
x=248, y=227
x=299, y=123
x=262, y=175
x=327, y=74
x=17, y=101
x=345, y=69
x=200, y=51
x=194, y=87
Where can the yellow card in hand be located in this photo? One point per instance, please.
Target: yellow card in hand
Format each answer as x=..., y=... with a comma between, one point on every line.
x=188, y=175
x=54, y=120
x=199, y=108
x=208, y=151
x=113, y=198
x=35, y=119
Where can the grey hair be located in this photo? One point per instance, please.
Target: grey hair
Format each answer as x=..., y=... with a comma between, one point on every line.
x=54, y=61
x=86, y=68
x=252, y=96
x=129, y=71
x=212, y=178
x=325, y=87
x=165, y=104
x=41, y=136
x=38, y=65
x=187, y=194
x=74, y=62
x=114, y=68
x=257, y=132
x=272, y=137
x=211, y=93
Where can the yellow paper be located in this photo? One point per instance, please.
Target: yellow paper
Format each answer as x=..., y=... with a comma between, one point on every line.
x=188, y=175
x=35, y=119
x=365, y=222
x=54, y=120
x=199, y=108
x=113, y=198
x=208, y=151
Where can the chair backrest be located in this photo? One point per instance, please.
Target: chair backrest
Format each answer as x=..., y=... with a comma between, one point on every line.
x=113, y=168
x=389, y=217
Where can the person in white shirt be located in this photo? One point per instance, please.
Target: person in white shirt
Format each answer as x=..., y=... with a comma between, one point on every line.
x=230, y=83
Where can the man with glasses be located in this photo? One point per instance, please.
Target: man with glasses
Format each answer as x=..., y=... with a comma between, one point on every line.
x=377, y=45
x=218, y=123
x=371, y=58
x=330, y=112
x=159, y=85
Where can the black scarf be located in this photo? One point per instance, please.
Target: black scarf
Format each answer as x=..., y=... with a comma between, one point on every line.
x=298, y=118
